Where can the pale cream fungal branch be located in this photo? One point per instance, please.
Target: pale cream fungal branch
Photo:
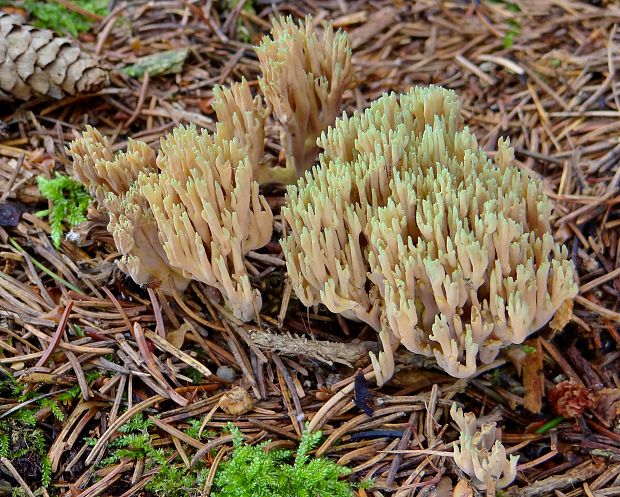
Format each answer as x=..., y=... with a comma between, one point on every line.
x=407, y=222
x=209, y=213
x=480, y=454
x=135, y=234
x=304, y=78
x=242, y=116
x=102, y=171
x=383, y=363
x=111, y=178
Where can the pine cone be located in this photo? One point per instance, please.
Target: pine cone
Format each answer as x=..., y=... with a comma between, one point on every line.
x=570, y=399
x=38, y=62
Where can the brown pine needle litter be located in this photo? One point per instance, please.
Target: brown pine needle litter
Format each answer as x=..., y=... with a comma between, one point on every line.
x=84, y=350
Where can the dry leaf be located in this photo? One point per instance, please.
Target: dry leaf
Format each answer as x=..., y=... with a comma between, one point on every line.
x=463, y=489
x=443, y=488
x=608, y=405
x=236, y=401
x=562, y=316
x=176, y=338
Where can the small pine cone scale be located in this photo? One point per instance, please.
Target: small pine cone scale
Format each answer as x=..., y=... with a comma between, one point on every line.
x=37, y=62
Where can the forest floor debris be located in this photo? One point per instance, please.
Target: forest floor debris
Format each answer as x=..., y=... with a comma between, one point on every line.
x=95, y=402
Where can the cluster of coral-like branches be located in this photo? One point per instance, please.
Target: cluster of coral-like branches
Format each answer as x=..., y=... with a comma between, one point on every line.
x=480, y=454
x=193, y=210
x=409, y=227
x=405, y=223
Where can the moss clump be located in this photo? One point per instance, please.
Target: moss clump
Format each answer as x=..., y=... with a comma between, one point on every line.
x=172, y=478
x=254, y=472
x=52, y=15
x=22, y=443
x=69, y=202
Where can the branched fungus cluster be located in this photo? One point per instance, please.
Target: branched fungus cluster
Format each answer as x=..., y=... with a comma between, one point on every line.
x=304, y=77
x=209, y=213
x=193, y=211
x=190, y=212
x=111, y=179
x=480, y=454
x=408, y=226
x=404, y=223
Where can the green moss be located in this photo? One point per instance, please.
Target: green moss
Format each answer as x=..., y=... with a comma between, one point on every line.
x=52, y=15
x=555, y=63
x=254, y=472
x=514, y=29
x=75, y=392
x=172, y=478
x=243, y=33
x=26, y=447
x=250, y=472
x=135, y=443
x=69, y=202
x=193, y=430
x=54, y=407
x=178, y=481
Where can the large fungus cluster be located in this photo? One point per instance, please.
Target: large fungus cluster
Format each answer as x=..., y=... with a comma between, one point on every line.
x=404, y=224
x=407, y=225
x=190, y=212
x=193, y=211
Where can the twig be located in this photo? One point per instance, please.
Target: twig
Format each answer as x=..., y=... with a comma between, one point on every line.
x=7, y=464
x=57, y=335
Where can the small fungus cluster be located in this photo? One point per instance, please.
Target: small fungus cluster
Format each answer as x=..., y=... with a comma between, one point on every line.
x=480, y=454
x=190, y=212
x=112, y=181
